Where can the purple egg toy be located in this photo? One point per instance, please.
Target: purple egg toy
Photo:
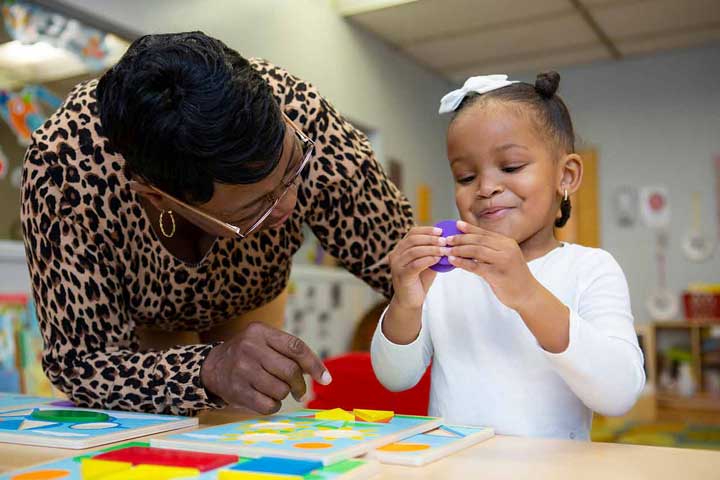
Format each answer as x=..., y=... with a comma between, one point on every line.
x=449, y=228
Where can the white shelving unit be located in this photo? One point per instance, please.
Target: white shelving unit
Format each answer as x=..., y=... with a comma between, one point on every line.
x=325, y=305
x=14, y=276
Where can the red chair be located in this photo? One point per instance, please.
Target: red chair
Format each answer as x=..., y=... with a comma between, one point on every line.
x=354, y=385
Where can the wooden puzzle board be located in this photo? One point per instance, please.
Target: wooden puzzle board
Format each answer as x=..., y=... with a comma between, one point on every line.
x=299, y=435
x=76, y=428
x=17, y=400
x=432, y=445
x=139, y=461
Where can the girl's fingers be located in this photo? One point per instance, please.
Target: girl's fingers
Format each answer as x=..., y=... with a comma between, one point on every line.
x=414, y=253
x=480, y=253
x=422, y=239
x=419, y=236
x=475, y=239
x=419, y=265
x=471, y=266
x=425, y=231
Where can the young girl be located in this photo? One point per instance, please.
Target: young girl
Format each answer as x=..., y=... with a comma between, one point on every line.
x=527, y=335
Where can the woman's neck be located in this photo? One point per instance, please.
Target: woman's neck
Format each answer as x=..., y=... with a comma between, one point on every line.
x=189, y=243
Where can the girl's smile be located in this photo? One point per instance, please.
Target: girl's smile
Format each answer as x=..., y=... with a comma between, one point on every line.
x=506, y=178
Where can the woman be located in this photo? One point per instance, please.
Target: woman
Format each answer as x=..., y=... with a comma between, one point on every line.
x=170, y=195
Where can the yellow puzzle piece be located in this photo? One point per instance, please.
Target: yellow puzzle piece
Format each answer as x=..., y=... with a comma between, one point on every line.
x=373, y=415
x=153, y=472
x=335, y=414
x=91, y=469
x=237, y=475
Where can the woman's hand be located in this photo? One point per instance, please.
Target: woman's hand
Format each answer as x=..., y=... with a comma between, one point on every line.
x=410, y=264
x=259, y=367
x=497, y=259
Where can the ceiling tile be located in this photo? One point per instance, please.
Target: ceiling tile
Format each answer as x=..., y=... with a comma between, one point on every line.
x=598, y=3
x=641, y=18
x=454, y=53
x=427, y=19
x=348, y=8
x=535, y=63
x=668, y=41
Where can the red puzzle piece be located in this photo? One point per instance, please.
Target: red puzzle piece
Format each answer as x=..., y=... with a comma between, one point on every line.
x=168, y=458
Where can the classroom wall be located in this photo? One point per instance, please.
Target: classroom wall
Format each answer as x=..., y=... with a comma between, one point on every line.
x=655, y=120
x=366, y=80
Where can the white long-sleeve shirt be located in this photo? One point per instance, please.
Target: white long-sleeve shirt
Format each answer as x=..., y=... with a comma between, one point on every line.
x=488, y=368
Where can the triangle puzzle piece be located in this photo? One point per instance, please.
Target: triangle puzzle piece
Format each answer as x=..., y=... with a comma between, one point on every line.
x=439, y=432
x=282, y=466
x=374, y=415
x=335, y=414
x=16, y=413
x=30, y=424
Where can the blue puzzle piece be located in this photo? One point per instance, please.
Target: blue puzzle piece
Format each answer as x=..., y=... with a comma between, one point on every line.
x=278, y=465
x=10, y=424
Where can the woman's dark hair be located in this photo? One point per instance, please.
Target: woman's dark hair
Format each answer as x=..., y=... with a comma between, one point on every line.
x=551, y=115
x=186, y=111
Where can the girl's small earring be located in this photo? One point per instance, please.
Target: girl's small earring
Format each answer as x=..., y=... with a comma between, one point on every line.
x=565, y=197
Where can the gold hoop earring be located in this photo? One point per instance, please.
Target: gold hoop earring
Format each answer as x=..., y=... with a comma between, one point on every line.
x=162, y=226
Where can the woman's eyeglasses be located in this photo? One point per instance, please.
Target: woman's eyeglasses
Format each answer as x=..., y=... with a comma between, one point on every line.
x=271, y=199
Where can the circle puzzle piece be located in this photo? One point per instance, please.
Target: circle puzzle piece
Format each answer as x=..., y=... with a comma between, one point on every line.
x=449, y=228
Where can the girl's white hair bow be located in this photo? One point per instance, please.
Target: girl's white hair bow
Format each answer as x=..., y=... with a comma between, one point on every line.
x=479, y=84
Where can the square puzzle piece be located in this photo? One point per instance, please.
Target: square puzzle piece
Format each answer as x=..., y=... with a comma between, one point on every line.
x=163, y=456
x=284, y=466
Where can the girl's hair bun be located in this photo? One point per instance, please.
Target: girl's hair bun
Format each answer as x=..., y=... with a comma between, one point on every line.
x=546, y=84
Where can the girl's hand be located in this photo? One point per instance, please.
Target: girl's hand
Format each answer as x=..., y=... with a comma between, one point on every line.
x=497, y=259
x=410, y=264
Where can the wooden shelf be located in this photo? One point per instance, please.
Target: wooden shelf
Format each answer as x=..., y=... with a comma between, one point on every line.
x=695, y=322
x=700, y=401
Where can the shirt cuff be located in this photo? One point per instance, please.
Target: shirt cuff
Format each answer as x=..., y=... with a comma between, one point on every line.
x=398, y=367
x=197, y=397
x=399, y=354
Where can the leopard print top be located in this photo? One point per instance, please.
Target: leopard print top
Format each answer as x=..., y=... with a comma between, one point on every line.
x=98, y=270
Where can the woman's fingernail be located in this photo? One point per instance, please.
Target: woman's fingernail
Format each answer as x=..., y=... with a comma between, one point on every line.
x=437, y=231
x=442, y=241
x=326, y=378
x=451, y=258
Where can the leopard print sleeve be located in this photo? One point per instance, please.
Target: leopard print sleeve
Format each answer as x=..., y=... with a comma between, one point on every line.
x=354, y=210
x=90, y=350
